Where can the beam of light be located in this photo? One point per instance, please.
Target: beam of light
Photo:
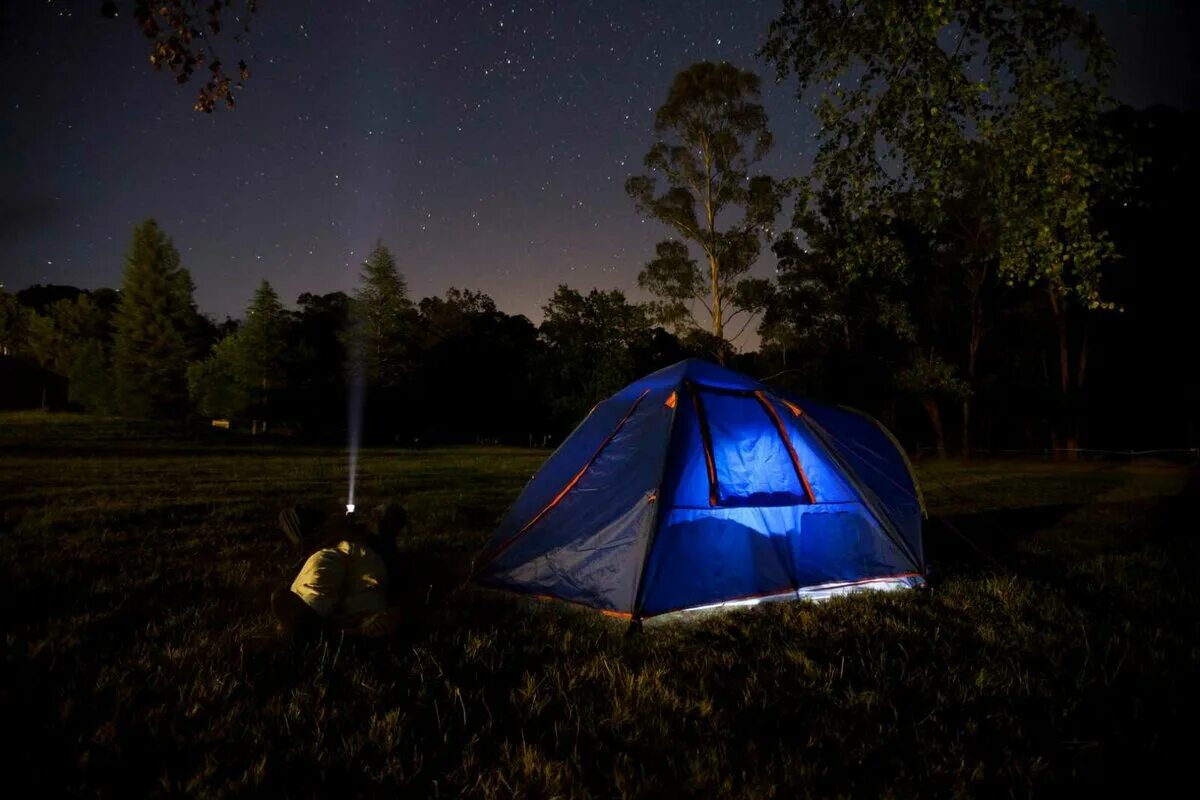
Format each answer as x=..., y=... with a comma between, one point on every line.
x=356, y=395
x=363, y=219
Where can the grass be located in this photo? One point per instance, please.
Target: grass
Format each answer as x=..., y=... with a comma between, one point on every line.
x=1057, y=650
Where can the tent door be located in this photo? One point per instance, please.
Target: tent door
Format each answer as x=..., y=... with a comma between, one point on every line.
x=750, y=460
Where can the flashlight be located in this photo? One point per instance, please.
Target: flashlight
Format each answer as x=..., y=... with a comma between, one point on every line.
x=349, y=508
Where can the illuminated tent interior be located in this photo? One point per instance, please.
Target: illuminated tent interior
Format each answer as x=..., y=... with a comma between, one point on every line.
x=696, y=487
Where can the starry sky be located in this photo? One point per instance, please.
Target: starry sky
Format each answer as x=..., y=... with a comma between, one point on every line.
x=486, y=143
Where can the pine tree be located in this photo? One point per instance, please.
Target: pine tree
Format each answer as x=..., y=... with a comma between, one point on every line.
x=245, y=368
x=154, y=321
x=384, y=318
x=261, y=343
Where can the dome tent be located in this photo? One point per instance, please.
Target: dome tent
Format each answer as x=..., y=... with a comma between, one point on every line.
x=697, y=487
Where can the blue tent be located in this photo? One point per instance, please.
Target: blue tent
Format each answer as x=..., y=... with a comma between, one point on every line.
x=698, y=487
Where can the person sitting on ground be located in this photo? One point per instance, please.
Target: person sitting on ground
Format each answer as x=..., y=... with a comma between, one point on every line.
x=342, y=584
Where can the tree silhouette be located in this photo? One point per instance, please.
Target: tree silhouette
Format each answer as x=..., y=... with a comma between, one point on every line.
x=712, y=131
x=980, y=117
x=383, y=320
x=154, y=323
x=181, y=33
x=13, y=324
x=247, y=368
x=590, y=340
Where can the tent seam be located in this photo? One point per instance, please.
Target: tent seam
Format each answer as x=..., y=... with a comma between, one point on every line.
x=714, y=490
x=787, y=442
x=635, y=609
x=891, y=437
x=885, y=524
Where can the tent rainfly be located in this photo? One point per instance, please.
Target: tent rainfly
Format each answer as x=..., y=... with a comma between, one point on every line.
x=697, y=487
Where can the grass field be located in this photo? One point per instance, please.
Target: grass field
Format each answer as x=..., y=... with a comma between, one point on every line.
x=1058, y=648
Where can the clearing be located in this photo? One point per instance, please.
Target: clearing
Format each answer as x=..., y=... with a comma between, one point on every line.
x=1057, y=648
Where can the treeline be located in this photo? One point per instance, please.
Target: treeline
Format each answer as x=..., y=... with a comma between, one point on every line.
x=455, y=368
x=987, y=253
x=443, y=369
x=910, y=315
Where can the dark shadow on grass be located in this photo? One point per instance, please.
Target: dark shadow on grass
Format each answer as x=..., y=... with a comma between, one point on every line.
x=966, y=544
x=1000, y=539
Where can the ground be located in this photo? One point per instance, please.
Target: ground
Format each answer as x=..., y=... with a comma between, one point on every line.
x=1057, y=647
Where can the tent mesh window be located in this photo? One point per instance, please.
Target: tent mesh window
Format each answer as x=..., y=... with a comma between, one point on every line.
x=751, y=461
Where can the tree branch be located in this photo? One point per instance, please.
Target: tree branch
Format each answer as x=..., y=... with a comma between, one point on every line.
x=737, y=311
x=745, y=325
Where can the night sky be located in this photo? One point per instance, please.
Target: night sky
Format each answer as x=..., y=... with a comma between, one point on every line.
x=487, y=144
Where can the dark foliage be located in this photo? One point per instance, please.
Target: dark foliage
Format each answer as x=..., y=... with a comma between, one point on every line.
x=181, y=34
x=40, y=297
x=845, y=325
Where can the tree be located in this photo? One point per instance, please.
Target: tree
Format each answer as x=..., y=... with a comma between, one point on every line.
x=446, y=317
x=73, y=337
x=262, y=345
x=712, y=132
x=214, y=385
x=857, y=321
x=1141, y=392
x=39, y=297
x=154, y=323
x=590, y=341
x=56, y=336
x=181, y=33
x=248, y=368
x=90, y=381
x=838, y=311
x=945, y=104
x=469, y=349
x=383, y=318
x=318, y=369
x=13, y=324
x=930, y=378
x=1051, y=239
